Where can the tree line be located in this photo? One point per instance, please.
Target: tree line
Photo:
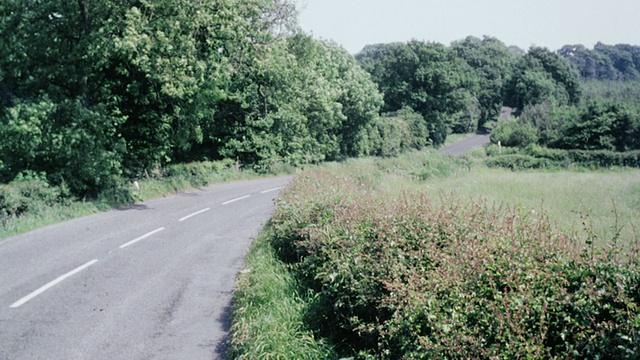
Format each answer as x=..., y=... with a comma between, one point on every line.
x=93, y=94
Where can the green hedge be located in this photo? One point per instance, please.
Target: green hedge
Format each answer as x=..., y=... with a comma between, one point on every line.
x=535, y=157
x=198, y=173
x=402, y=278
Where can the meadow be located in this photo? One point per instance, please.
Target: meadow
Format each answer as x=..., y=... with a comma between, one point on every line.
x=426, y=256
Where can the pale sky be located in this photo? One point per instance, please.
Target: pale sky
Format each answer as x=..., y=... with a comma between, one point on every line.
x=548, y=23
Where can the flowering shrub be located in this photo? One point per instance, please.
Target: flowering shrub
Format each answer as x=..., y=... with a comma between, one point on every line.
x=411, y=278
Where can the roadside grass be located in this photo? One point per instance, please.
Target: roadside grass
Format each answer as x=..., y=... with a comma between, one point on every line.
x=46, y=215
x=269, y=314
x=31, y=203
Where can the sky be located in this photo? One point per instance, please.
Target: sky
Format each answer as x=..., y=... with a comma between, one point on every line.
x=524, y=23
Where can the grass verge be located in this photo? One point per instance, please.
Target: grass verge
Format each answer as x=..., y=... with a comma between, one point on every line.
x=30, y=202
x=269, y=313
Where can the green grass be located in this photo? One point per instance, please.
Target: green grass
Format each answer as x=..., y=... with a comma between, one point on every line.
x=46, y=216
x=268, y=312
x=589, y=203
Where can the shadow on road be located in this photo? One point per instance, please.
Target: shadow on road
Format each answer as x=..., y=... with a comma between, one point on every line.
x=139, y=207
x=225, y=319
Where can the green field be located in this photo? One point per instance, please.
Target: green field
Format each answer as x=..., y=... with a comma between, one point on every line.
x=588, y=202
x=604, y=202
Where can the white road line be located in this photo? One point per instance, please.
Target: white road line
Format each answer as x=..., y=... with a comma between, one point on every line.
x=141, y=238
x=234, y=200
x=272, y=190
x=194, y=214
x=51, y=284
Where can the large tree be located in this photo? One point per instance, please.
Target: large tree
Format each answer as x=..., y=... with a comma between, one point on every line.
x=492, y=62
x=540, y=76
x=426, y=77
x=303, y=101
x=151, y=72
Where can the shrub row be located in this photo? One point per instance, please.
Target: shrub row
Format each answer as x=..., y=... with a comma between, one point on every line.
x=27, y=193
x=534, y=157
x=31, y=192
x=197, y=173
x=404, y=278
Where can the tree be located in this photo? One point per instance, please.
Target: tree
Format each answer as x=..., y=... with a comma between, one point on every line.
x=602, y=126
x=542, y=76
x=492, y=62
x=304, y=101
x=423, y=76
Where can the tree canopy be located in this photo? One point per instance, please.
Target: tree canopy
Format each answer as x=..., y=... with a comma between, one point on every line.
x=93, y=93
x=121, y=87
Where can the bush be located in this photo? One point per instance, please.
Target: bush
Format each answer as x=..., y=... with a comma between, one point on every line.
x=28, y=193
x=74, y=145
x=514, y=133
x=198, y=173
x=404, y=278
x=520, y=162
x=535, y=157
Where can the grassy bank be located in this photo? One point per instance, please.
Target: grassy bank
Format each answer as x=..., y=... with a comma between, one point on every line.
x=424, y=256
x=29, y=202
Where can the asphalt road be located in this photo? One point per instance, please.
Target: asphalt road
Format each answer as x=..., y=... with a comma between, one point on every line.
x=153, y=281
x=462, y=147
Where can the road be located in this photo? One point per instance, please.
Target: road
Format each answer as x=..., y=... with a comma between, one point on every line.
x=153, y=281
x=462, y=147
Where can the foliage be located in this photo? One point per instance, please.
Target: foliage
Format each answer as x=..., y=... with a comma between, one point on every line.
x=394, y=133
x=514, y=133
x=549, y=119
x=75, y=146
x=310, y=102
x=405, y=278
x=28, y=192
x=602, y=126
x=534, y=157
x=605, y=62
x=197, y=173
x=492, y=62
x=426, y=77
x=268, y=312
x=542, y=76
x=625, y=93
x=117, y=89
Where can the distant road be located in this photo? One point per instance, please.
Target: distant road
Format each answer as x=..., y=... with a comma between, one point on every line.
x=153, y=281
x=465, y=146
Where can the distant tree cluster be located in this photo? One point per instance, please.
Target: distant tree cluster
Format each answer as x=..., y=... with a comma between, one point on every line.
x=604, y=62
x=463, y=87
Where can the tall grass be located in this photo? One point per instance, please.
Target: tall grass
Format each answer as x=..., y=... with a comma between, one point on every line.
x=601, y=204
x=269, y=313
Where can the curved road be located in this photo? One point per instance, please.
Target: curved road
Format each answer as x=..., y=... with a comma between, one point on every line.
x=153, y=281
x=462, y=147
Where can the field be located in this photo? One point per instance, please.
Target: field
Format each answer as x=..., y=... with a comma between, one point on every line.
x=597, y=203
x=426, y=256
